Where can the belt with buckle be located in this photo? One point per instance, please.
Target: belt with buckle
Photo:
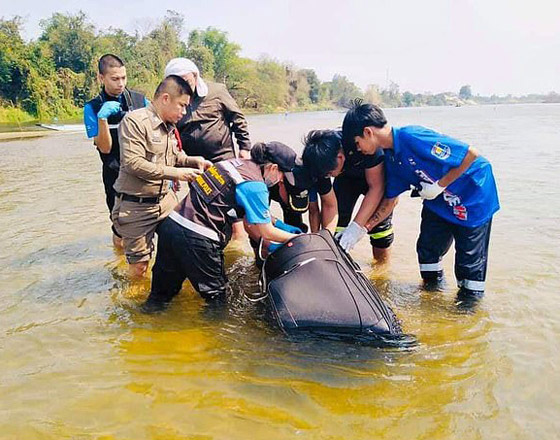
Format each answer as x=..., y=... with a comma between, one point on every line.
x=136, y=199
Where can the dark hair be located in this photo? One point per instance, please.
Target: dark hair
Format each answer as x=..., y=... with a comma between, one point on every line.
x=175, y=86
x=107, y=61
x=321, y=149
x=359, y=117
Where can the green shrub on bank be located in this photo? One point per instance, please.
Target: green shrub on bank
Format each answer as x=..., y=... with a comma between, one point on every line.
x=13, y=115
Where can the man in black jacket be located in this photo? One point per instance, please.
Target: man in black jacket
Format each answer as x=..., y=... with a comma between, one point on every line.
x=212, y=118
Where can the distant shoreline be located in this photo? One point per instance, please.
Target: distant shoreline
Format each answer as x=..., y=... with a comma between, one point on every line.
x=10, y=131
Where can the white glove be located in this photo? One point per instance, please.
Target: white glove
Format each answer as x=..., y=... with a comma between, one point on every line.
x=430, y=191
x=350, y=236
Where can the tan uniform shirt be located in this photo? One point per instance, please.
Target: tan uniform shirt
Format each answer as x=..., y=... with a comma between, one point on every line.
x=149, y=154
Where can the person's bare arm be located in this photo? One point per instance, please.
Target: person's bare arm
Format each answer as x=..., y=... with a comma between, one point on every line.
x=329, y=211
x=103, y=140
x=383, y=211
x=268, y=232
x=314, y=216
x=454, y=173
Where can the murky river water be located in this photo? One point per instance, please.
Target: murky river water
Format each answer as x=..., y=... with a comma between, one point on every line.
x=78, y=360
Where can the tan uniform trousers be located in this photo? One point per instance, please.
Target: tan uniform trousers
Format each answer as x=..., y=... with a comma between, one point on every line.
x=137, y=222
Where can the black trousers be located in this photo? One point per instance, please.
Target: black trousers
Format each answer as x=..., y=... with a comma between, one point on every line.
x=348, y=190
x=184, y=254
x=471, y=250
x=109, y=178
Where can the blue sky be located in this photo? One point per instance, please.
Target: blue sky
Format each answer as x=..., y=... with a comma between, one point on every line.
x=496, y=46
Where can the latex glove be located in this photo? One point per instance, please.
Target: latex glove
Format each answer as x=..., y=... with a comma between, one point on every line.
x=350, y=236
x=288, y=228
x=274, y=246
x=108, y=109
x=430, y=191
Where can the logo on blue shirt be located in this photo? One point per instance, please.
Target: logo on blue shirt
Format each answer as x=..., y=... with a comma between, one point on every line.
x=441, y=151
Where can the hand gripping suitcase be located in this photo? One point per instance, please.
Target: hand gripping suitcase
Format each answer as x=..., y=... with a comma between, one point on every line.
x=313, y=285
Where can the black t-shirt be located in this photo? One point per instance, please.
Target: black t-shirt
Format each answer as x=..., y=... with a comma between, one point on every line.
x=355, y=166
x=356, y=163
x=304, y=181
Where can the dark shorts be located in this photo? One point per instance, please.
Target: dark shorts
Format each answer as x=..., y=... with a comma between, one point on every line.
x=184, y=254
x=348, y=190
x=471, y=249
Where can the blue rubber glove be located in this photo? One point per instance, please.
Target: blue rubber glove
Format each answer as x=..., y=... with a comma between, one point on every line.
x=274, y=246
x=288, y=228
x=108, y=109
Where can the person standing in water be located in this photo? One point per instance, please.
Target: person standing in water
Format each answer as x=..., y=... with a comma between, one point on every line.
x=102, y=116
x=212, y=118
x=455, y=182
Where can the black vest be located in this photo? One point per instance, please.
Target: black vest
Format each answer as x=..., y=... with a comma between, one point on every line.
x=211, y=201
x=132, y=101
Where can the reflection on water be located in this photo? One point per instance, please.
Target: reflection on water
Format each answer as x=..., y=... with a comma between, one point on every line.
x=80, y=361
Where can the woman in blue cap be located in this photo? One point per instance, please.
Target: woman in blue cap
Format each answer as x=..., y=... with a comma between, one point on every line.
x=192, y=239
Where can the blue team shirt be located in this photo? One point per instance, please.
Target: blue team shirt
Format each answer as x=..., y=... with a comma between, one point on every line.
x=253, y=197
x=423, y=155
x=90, y=118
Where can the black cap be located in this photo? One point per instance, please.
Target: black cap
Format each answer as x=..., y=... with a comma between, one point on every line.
x=275, y=152
x=296, y=179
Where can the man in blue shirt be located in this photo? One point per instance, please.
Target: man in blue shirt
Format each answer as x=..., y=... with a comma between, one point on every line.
x=455, y=182
x=102, y=116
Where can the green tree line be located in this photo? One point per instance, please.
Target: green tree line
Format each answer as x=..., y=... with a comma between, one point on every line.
x=54, y=75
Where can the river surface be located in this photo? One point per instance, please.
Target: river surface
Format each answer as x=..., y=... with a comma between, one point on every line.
x=78, y=359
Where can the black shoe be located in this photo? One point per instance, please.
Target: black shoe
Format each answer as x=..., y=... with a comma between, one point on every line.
x=152, y=306
x=433, y=281
x=468, y=300
x=436, y=284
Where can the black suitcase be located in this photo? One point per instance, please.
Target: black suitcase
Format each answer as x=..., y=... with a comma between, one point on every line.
x=314, y=286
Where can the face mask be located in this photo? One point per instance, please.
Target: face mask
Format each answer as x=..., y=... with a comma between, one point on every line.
x=270, y=181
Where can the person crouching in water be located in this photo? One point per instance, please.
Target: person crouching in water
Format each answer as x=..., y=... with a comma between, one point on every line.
x=192, y=239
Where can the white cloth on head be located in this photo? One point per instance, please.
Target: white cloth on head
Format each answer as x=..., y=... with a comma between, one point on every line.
x=183, y=66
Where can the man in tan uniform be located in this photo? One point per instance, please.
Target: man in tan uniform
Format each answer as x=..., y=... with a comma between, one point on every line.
x=151, y=158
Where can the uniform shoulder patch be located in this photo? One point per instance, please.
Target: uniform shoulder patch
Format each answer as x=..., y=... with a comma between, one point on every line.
x=441, y=151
